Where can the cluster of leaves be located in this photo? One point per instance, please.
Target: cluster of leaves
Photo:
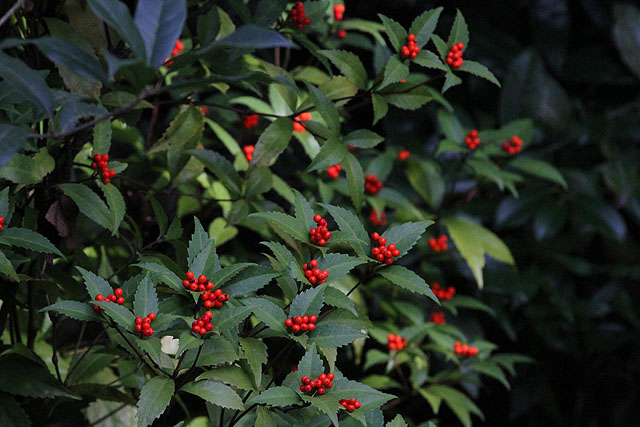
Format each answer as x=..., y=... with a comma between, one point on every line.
x=107, y=89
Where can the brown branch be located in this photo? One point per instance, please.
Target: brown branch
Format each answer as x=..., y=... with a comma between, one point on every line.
x=11, y=11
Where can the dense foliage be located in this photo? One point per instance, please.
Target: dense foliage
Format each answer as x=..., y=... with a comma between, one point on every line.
x=273, y=213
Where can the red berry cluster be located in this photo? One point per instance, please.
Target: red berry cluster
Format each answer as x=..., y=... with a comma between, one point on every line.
x=248, y=152
x=404, y=155
x=438, y=318
x=250, y=121
x=322, y=383
x=204, y=109
x=299, y=127
x=396, y=342
x=179, y=47
x=342, y=34
x=376, y=219
x=202, y=325
x=442, y=293
x=101, y=161
x=472, y=140
x=299, y=17
x=513, y=145
x=372, y=184
x=411, y=49
x=350, y=404
x=338, y=10
x=454, y=57
x=301, y=323
x=464, y=350
x=333, y=172
x=313, y=273
x=1, y=223
x=116, y=297
x=384, y=253
x=320, y=234
x=199, y=285
x=439, y=244
x=214, y=299
x=351, y=148
x=144, y=325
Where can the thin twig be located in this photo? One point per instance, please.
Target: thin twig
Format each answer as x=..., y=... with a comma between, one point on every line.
x=136, y=351
x=11, y=11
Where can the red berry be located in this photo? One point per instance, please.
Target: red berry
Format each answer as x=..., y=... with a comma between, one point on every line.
x=208, y=326
x=138, y=320
x=331, y=376
x=313, y=263
x=311, y=326
x=120, y=300
x=118, y=292
x=138, y=328
x=375, y=236
x=151, y=316
x=288, y=323
x=297, y=320
x=202, y=279
x=313, y=318
x=99, y=297
x=295, y=328
x=321, y=390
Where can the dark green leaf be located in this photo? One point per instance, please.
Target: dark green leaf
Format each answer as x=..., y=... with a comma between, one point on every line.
x=255, y=37
x=326, y=108
x=23, y=169
x=155, y=397
x=12, y=414
x=221, y=168
x=272, y=142
x=422, y=27
x=89, y=203
x=308, y=302
x=394, y=71
x=146, y=300
x=119, y=314
x=397, y=35
x=11, y=139
x=406, y=235
x=538, y=168
x=380, y=107
x=459, y=31
x=185, y=129
x=426, y=178
x=75, y=310
x=250, y=280
x=276, y=396
x=332, y=152
x=216, y=393
x=102, y=137
x=116, y=14
x=428, y=59
x=351, y=227
x=7, y=268
x=159, y=23
x=24, y=377
x=355, y=180
x=255, y=351
x=95, y=285
x=29, y=82
x=28, y=239
x=232, y=375
x=338, y=265
x=626, y=34
x=284, y=223
x=477, y=69
x=363, y=138
x=117, y=207
x=349, y=65
x=268, y=312
x=407, y=279
x=333, y=335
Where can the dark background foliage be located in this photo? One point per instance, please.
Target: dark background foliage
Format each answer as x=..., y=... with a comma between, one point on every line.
x=572, y=303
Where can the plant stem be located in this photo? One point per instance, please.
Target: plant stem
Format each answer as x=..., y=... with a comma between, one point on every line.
x=109, y=414
x=73, y=367
x=11, y=11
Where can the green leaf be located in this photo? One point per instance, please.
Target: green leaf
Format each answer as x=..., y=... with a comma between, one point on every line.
x=310, y=365
x=459, y=31
x=272, y=142
x=12, y=414
x=268, y=312
x=450, y=81
x=221, y=277
x=508, y=360
x=117, y=207
x=7, y=268
x=216, y=393
x=428, y=59
x=397, y=35
x=336, y=298
x=275, y=396
x=185, y=129
x=215, y=350
x=198, y=242
x=160, y=23
x=89, y=203
x=326, y=108
x=95, y=285
x=329, y=406
x=363, y=138
x=29, y=82
x=355, y=180
x=412, y=100
x=265, y=417
x=284, y=223
x=24, y=377
x=407, y=279
x=221, y=168
x=303, y=210
x=162, y=273
x=28, y=239
x=486, y=169
x=258, y=181
x=406, y=235
x=146, y=300
x=349, y=65
x=87, y=367
x=626, y=35
x=338, y=265
x=102, y=137
x=331, y=153
x=351, y=227
x=491, y=370
x=451, y=126
x=255, y=37
x=68, y=55
x=11, y=139
x=465, y=301
x=426, y=178
x=23, y=169
x=118, y=313
x=116, y=14
x=398, y=421
x=422, y=27
x=473, y=241
x=394, y=71
x=380, y=107
x=255, y=351
x=538, y=168
x=308, y=302
x=229, y=317
x=75, y=310
x=549, y=219
x=155, y=397
x=459, y=403
x=600, y=215
x=251, y=279
x=333, y=335
x=477, y=69
x=232, y=375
